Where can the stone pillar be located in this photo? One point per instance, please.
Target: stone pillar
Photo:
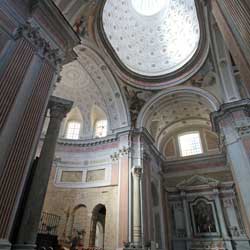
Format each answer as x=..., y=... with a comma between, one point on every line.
x=233, y=18
x=136, y=224
x=30, y=222
x=232, y=122
x=221, y=219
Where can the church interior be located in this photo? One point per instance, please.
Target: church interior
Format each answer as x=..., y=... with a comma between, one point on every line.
x=124, y=124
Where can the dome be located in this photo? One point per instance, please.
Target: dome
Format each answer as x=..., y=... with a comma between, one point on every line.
x=152, y=37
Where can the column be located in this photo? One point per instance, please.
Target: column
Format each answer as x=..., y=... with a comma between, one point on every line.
x=136, y=228
x=232, y=122
x=233, y=18
x=30, y=222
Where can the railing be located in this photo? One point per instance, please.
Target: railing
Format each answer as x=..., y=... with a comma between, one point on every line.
x=49, y=223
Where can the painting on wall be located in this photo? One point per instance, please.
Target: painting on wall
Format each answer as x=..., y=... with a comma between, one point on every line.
x=204, y=218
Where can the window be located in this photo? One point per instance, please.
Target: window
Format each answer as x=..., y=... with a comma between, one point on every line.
x=190, y=144
x=73, y=130
x=101, y=128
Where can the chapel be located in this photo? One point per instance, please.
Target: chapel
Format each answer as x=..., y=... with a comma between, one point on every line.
x=124, y=125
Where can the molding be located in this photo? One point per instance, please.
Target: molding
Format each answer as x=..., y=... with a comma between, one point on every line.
x=83, y=184
x=197, y=180
x=196, y=159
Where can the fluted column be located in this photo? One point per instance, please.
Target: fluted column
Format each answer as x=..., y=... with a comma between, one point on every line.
x=33, y=208
x=136, y=228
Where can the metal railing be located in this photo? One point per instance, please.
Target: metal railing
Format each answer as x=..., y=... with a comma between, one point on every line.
x=49, y=223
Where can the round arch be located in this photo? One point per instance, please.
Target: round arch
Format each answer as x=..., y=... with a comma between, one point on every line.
x=211, y=100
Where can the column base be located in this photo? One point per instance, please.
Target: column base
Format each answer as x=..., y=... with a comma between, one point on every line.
x=24, y=247
x=5, y=245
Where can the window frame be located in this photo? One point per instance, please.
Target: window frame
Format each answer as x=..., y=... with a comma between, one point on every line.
x=180, y=146
x=95, y=128
x=68, y=127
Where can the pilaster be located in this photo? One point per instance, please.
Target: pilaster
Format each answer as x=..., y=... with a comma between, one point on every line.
x=232, y=122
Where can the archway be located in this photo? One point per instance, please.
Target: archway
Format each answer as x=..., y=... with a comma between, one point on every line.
x=97, y=230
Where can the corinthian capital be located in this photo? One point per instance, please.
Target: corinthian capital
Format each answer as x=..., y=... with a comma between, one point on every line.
x=59, y=107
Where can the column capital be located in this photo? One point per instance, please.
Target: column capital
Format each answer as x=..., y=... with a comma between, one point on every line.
x=59, y=107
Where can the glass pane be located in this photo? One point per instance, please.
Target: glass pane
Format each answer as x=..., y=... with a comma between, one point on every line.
x=73, y=130
x=190, y=144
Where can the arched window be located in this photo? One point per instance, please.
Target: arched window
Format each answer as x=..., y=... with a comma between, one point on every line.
x=190, y=144
x=101, y=127
x=73, y=130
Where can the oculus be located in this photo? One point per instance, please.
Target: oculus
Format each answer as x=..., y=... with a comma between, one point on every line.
x=148, y=7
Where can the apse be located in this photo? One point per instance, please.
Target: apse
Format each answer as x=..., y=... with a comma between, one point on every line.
x=152, y=37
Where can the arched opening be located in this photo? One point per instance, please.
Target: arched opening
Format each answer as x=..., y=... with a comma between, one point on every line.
x=99, y=122
x=97, y=230
x=73, y=125
x=78, y=226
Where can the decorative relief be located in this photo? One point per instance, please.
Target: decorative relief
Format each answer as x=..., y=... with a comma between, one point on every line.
x=137, y=171
x=123, y=151
x=197, y=181
x=135, y=103
x=228, y=203
x=33, y=34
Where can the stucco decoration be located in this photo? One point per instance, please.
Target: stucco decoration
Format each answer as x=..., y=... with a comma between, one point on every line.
x=87, y=81
x=152, y=38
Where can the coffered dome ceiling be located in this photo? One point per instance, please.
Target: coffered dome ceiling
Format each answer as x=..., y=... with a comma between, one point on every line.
x=152, y=37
